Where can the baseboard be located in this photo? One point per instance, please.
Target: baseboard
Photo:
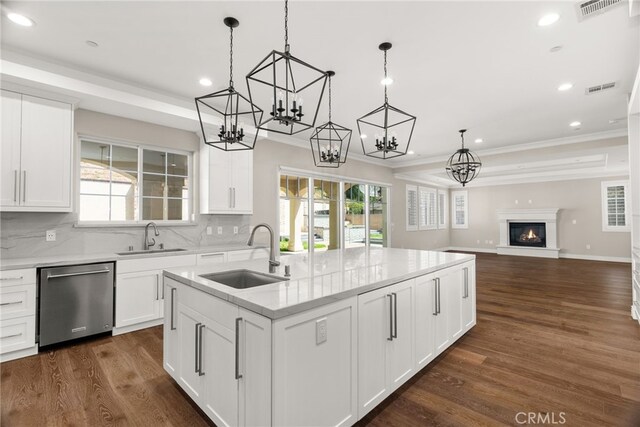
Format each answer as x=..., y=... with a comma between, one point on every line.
x=596, y=257
x=137, y=327
x=18, y=354
x=634, y=313
x=483, y=250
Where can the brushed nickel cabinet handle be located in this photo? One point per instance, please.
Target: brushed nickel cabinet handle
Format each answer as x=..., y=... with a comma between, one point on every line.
x=24, y=186
x=200, y=372
x=12, y=278
x=196, y=352
x=11, y=336
x=15, y=185
x=466, y=282
x=390, y=317
x=238, y=324
x=435, y=296
x=11, y=303
x=395, y=315
x=438, y=288
x=173, y=303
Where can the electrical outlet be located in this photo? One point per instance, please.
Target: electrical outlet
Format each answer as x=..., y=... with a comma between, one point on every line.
x=574, y=221
x=209, y=230
x=491, y=242
x=219, y=230
x=235, y=229
x=588, y=246
x=321, y=330
x=51, y=235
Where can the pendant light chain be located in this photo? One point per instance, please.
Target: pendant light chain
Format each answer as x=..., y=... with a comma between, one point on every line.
x=386, y=99
x=286, y=25
x=329, y=99
x=231, y=58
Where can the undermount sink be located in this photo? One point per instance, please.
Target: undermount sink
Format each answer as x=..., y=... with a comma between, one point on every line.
x=243, y=279
x=150, y=251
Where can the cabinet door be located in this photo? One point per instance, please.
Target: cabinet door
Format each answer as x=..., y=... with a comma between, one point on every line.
x=374, y=333
x=468, y=297
x=216, y=193
x=218, y=373
x=10, y=149
x=255, y=368
x=138, y=297
x=441, y=333
x=425, y=320
x=46, y=153
x=455, y=284
x=171, y=341
x=400, y=356
x=242, y=182
x=189, y=378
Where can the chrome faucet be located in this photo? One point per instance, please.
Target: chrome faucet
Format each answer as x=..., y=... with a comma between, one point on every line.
x=147, y=243
x=272, y=251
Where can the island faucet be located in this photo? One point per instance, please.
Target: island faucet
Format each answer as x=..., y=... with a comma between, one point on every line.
x=272, y=251
x=147, y=243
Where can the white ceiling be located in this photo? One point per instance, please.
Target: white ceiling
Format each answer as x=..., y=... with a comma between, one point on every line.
x=485, y=66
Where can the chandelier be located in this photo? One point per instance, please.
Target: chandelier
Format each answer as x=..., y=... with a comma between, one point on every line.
x=390, y=127
x=232, y=106
x=463, y=166
x=330, y=141
x=285, y=79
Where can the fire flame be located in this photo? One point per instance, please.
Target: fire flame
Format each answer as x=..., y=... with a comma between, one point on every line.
x=531, y=235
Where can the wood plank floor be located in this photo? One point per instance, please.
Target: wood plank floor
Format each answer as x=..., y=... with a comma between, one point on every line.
x=554, y=338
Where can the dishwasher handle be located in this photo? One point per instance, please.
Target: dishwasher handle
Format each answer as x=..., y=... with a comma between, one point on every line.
x=83, y=273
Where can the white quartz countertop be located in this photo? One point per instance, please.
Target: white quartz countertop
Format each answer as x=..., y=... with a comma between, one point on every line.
x=319, y=279
x=55, y=261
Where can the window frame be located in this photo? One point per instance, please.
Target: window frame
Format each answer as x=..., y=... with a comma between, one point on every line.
x=604, y=186
x=140, y=150
x=465, y=195
x=443, y=209
x=425, y=222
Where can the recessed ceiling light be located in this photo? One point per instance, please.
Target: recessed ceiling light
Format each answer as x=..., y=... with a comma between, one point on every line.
x=411, y=152
x=479, y=140
x=205, y=82
x=548, y=19
x=386, y=81
x=363, y=136
x=91, y=43
x=16, y=18
x=556, y=49
x=575, y=124
x=565, y=86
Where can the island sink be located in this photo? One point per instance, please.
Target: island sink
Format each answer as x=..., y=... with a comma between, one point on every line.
x=243, y=279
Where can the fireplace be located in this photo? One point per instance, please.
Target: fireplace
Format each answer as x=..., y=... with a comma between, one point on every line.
x=531, y=234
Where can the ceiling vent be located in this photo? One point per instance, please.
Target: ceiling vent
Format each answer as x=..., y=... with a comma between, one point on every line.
x=594, y=7
x=599, y=88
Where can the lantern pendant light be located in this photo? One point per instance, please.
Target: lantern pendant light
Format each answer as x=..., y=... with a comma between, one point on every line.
x=391, y=128
x=330, y=141
x=463, y=166
x=273, y=79
x=233, y=107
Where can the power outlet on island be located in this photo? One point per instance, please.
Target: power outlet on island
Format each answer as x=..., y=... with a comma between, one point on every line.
x=51, y=235
x=219, y=230
x=235, y=229
x=321, y=330
x=209, y=230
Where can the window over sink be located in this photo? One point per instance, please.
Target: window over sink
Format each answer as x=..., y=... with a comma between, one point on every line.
x=123, y=183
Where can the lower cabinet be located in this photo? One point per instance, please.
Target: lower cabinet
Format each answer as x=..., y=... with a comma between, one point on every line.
x=385, y=342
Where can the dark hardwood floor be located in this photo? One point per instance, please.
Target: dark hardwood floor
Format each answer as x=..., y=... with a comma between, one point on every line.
x=554, y=340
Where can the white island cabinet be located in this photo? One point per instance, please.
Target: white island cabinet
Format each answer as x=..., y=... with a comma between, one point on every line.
x=322, y=348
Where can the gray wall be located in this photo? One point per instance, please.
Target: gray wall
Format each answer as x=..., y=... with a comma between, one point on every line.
x=578, y=200
x=22, y=234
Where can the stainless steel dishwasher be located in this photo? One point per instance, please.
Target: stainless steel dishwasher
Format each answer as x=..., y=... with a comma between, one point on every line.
x=75, y=301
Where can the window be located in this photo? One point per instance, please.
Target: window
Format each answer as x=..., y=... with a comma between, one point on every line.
x=428, y=208
x=459, y=210
x=354, y=215
x=378, y=215
x=443, y=205
x=615, y=211
x=125, y=183
x=412, y=207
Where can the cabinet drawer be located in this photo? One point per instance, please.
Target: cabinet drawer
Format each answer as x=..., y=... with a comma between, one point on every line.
x=211, y=258
x=17, y=277
x=17, y=301
x=154, y=263
x=248, y=254
x=209, y=306
x=17, y=334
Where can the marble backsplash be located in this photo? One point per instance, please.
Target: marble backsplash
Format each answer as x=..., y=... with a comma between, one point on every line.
x=22, y=234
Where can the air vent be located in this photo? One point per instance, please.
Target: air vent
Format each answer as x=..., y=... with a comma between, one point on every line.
x=594, y=7
x=599, y=88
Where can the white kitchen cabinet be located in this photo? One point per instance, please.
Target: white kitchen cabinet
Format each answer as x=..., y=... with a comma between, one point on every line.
x=468, y=306
x=248, y=254
x=170, y=338
x=315, y=366
x=425, y=309
x=226, y=181
x=385, y=342
x=37, y=137
x=211, y=258
x=189, y=353
x=448, y=320
x=17, y=314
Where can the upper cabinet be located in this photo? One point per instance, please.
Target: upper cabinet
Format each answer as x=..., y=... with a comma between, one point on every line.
x=36, y=153
x=226, y=181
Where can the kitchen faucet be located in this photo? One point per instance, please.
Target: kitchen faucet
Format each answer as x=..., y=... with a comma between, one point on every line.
x=147, y=243
x=272, y=251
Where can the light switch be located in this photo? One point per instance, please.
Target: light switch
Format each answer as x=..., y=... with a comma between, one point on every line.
x=321, y=330
x=235, y=229
x=219, y=230
x=51, y=235
x=209, y=230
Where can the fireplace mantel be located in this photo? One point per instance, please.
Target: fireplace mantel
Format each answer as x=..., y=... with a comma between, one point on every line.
x=547, y=216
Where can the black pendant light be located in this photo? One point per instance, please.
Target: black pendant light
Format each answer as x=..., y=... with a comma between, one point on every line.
x=330, y=141
x=286, y=81
x=388, y=128
x=463, y=166
x=233, y=107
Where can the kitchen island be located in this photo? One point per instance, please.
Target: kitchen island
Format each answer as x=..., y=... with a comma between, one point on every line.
x=321, y=347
